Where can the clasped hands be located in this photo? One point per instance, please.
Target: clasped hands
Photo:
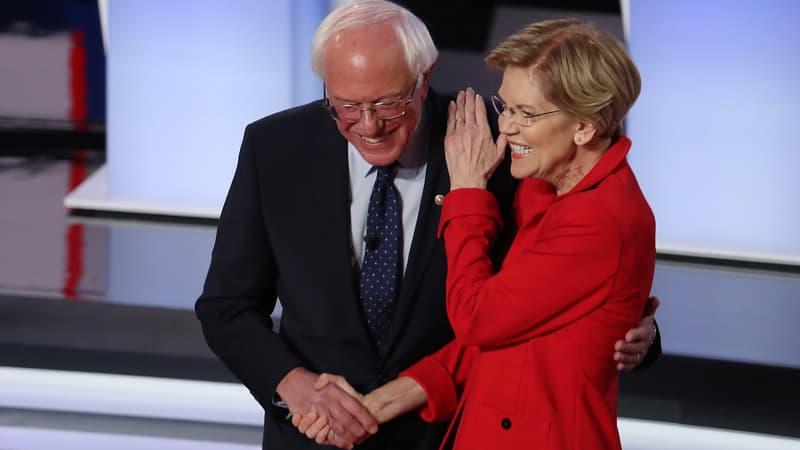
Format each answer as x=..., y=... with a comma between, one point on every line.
x=336, y=414
x=328, y=410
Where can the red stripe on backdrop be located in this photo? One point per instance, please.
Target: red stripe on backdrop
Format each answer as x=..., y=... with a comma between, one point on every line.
x=78, y=86
x=78, y=112
x=75, y=232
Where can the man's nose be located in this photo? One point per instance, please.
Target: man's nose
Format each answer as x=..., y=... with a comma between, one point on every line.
x=369, y=120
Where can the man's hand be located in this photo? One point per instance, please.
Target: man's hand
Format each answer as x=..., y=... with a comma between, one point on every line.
x=327, y=378
x=344, y=416
x=630, y=352
x=316, y=427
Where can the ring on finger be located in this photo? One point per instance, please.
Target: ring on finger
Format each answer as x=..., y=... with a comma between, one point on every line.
x=459, y=119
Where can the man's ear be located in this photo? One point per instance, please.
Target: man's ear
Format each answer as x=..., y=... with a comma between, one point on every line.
x=426, y=82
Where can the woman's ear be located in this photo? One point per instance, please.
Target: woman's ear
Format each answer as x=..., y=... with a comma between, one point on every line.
x=584, y=133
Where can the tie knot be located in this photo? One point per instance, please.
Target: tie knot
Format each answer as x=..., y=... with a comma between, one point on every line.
x=386, y=172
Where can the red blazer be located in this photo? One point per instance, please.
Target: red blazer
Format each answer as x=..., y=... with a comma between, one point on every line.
x=534, y=340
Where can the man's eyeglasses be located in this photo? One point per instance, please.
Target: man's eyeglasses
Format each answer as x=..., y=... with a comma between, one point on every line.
x=351, y=112
x=519, y=116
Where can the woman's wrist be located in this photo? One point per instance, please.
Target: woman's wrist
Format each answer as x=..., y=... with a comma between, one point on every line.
x=395, y=398
x=467, y=185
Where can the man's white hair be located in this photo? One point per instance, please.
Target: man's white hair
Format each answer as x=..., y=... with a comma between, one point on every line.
x=412, y=34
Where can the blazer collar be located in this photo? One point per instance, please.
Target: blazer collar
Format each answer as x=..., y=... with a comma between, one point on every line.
x=608, y=163
x=535, y=196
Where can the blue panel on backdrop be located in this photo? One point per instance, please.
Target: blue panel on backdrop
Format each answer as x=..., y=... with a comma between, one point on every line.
x=184, y=80
x=714, y=129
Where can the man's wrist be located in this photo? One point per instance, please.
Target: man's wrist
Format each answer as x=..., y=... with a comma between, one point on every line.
x=278, y=402
x=279, y=408
x=284, y=390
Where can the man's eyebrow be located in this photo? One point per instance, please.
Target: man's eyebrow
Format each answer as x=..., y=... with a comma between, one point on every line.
x=388, y=97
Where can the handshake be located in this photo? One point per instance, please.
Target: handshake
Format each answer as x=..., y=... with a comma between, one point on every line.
x=328, y=410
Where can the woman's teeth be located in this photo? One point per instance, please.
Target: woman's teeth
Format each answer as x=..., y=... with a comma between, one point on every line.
x=520, y=149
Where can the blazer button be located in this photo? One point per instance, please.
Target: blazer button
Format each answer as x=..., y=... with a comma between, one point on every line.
x=438, y=199
x=505, y=423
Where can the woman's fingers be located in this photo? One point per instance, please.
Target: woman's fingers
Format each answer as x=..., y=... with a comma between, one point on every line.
x=338, y=380
x=313, y=430
x=322, y=436
x=480, y=113
x=306, y=421
x=500, y=147
x=451, y=117
x=469, y=107
x=460, y=99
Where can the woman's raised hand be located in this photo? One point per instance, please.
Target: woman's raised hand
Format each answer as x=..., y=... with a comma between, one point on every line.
x=471, y=154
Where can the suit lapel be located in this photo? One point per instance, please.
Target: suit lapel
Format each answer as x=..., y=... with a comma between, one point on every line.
x=329, y=217
x=424, y=241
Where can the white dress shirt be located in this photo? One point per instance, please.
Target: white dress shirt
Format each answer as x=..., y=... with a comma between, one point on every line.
x=409, y=181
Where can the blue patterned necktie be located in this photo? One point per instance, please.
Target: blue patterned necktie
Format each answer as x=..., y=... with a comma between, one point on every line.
x=381, y=270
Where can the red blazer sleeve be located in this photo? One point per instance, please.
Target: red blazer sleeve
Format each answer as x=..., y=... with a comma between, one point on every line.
x=555, y=272
x=442, y=375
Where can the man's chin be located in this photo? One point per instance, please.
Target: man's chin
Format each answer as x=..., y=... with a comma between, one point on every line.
x=378, y=157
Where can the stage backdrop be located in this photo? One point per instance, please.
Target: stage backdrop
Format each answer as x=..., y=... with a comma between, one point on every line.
x=712, y=131
x=714, y=137
x=185, y=77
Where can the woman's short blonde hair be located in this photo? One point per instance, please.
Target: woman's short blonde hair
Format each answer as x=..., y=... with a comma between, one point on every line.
x=584, y=70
